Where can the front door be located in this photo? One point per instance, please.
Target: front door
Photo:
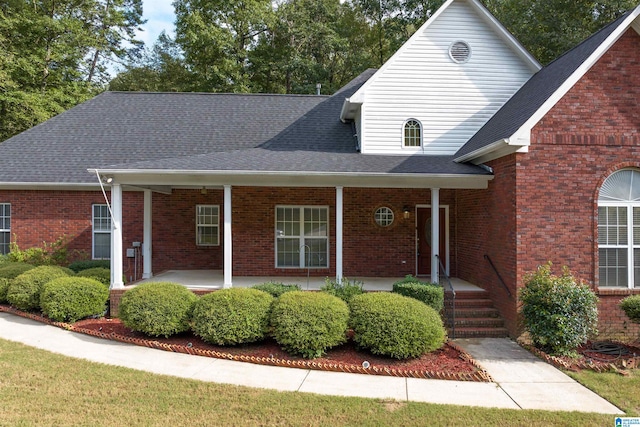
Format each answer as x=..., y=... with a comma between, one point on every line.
x=424, y=240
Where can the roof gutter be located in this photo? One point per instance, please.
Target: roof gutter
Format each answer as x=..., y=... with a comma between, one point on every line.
x=196, y=178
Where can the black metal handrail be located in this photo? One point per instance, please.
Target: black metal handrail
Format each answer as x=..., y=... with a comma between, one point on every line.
x=504, y=285
x=453, y=298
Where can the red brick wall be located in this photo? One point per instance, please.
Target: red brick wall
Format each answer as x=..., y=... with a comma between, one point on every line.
x=487, y=226
x=593, y=131
x=174, y=231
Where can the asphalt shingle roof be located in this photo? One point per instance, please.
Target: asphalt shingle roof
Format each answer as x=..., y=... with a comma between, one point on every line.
x=126, y=127
x=535, y=92
x=204, y=132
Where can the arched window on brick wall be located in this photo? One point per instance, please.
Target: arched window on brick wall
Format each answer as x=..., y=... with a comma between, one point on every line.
x=619, y=230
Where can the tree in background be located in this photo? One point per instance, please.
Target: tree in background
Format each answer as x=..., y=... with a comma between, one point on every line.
x=53, y=54
x=216, y=37
x=160, y=69
x=550, y=28
x=309, y=42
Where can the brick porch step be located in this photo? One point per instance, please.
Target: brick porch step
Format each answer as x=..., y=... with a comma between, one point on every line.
x=480, y=332
x=476, y=317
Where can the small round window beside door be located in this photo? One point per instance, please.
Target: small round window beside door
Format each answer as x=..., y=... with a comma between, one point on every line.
x=460, y=52
x=383, y=216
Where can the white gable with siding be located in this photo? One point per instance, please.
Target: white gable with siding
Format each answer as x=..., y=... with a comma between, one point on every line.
x=452, y=100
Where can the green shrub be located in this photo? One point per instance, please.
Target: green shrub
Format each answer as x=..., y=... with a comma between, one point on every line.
x=411, y=279
x=428, y=293
x=394, y=325
x=276, y=289
x=631, y=307
x=11, y=270
x=308, y=323
x=157, y=308
x=345, y=289
x=4, y=286
x=24, y=291
x=102, y=275
x=232, y=316
x=78, y=266
x=68, y=299
x=559, y=313
x=55, y=253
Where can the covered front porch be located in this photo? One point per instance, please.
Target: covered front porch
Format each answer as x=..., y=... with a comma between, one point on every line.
x=214, y=279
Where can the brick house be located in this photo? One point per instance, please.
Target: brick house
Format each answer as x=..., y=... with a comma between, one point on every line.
x=461, y=149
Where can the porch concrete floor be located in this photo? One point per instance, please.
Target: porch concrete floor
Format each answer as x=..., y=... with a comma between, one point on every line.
x=214, y=279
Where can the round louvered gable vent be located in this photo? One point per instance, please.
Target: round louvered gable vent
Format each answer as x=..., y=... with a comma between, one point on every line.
x=460, y=52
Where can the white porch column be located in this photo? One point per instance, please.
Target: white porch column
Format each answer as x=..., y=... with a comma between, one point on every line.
x=435, y=234
x=146, y=236
x=228, y=254
x=116, y=237
x=339, y=226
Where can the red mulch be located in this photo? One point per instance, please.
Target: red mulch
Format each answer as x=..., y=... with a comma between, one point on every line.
x=449, y=362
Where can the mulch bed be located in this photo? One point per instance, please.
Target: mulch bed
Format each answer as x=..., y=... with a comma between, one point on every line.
x=597, y=356
x=448, y=363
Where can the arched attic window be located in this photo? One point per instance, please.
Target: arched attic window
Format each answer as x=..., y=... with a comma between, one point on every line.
x=619, y=230
x=412, y=137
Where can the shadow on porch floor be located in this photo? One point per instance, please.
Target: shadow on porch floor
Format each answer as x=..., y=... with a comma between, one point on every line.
x=214, y=279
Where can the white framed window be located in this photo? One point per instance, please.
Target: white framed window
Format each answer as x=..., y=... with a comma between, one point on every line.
x=302, y=236
x=207, y=225
x=412, y=134
x=101, y=224
x=5, y=228
x=383, y=216
x=619, y=230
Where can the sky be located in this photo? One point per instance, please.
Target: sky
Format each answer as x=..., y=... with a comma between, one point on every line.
x=160, y=16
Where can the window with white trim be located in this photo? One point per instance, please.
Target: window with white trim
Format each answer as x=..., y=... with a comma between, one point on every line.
x=207, y=225
x=619, y=230
x=101, y=220
x=302, y=236
x=412, y=137
x=5, y=228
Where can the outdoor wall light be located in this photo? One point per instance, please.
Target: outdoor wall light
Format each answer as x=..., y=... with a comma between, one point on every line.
x=406, y=211
x=204, y=190
x=107, y=179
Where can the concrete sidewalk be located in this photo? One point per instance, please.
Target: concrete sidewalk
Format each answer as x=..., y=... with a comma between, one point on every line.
x=522, y=381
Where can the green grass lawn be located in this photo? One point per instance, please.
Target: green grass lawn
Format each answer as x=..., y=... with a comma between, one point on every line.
x=41, y=388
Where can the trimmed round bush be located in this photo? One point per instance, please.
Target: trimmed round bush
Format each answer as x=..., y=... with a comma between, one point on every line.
x=157, y=308
x=78, y=266
x=276, y=289
x=11, y=270
x=232, y=316
x=345, y=289
x=4, y=287
x=102, y=275
x=309, y=323
x=68, y=299
x=25, y=290
x=428, y=293
x=631, y=307
x=559, y=313
x=394, y=325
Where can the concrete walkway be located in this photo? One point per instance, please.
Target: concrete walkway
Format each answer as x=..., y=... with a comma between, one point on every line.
x=522, y=381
